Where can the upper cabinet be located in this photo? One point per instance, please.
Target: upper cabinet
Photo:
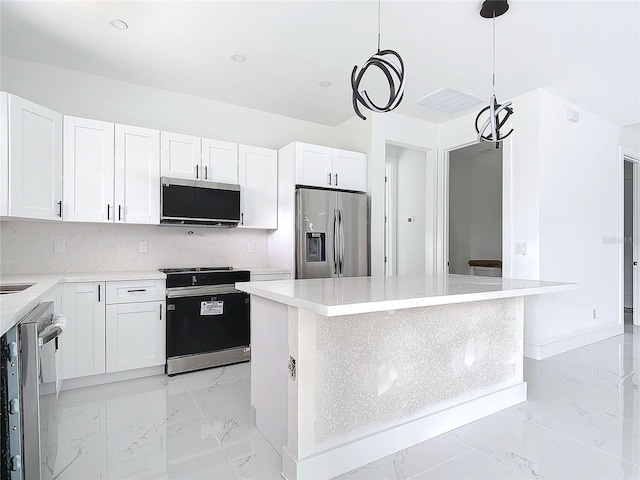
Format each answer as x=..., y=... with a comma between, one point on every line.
x=88, y=184
x=112, y=172
x=220, y=161
x=258, y=172
x=180, y=156
x=327, y=167
x=33, y=162
x=137, y=173
x=195, y=158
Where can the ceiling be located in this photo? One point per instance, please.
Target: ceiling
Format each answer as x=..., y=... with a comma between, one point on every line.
x=585, y=51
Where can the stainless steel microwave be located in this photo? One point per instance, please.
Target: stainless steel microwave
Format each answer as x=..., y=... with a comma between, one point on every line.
x=194, y=202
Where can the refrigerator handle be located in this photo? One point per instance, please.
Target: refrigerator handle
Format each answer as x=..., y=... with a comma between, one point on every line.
x=341, y=232
x=335, y=241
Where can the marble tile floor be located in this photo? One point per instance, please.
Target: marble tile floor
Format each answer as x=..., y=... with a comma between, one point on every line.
x=582, y=421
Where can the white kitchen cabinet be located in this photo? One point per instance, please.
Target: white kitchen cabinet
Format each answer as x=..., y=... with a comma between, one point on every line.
x=82, y=343
x=4, y=153
x=137, y=175
x=313, y=165
x=135, y=324
x=219, y=161
x=349, y=170
x=135, y=335
x=181, y=156
x=34, y=161
x=88, y=160
x=326, y=167
x=258, y=178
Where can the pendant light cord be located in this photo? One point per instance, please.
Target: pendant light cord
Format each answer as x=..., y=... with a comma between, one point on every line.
x=379, y=8
x=493, y=77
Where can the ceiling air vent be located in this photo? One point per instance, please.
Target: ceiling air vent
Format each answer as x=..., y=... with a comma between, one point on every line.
x=449, y=100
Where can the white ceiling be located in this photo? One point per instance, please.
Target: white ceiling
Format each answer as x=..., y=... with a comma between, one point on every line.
x=585, y=51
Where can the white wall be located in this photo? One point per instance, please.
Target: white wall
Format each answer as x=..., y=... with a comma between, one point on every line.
x=80, y=94
x=27, y=247
x=630, y=139
x=561, y=195
x=411, y=175
x=403, y=131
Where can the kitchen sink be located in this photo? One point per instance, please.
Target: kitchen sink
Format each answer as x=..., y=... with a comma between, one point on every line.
x=14, y=288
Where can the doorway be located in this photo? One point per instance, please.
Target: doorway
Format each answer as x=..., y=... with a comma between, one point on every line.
x=409, y=211
x=475, y=210
x=631, y=224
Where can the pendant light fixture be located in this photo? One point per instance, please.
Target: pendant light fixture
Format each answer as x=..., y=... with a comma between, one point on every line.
x=498, y=114
x=391, y=64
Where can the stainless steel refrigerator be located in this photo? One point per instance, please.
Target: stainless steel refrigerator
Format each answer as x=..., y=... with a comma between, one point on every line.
x=332, y=234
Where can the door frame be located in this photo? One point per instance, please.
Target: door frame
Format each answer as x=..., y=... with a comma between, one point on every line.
x=442, y=222
x=389, y=217
x=627, y=156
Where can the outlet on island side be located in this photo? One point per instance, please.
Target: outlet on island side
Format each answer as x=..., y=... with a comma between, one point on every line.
x=594, y=313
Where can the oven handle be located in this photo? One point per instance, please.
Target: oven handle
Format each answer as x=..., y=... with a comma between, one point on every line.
x=178, y=292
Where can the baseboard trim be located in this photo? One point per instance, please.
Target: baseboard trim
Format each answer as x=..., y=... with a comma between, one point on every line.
x=555, y=347
x=102, y=378
x=345, y=458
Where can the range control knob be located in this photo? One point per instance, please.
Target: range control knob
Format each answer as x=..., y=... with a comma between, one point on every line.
x=16, y=463
x=14, y=406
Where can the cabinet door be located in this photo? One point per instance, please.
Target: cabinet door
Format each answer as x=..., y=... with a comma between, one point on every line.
x=4, y=153
x=135, y=335
x=180, y=156
x=35, y=160
x=82, y=342
x=258, y=171
x=137, y=175
x=88, y=170
x=313, y=165
x=349, y=170
x=220, y=161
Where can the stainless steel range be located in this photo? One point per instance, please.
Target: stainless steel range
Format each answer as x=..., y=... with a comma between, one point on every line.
x=207, y=318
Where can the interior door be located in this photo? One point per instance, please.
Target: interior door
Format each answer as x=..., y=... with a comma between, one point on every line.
x=353, y=235
x=316, y=226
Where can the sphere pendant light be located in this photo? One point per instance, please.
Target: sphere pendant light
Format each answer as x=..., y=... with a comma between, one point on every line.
x=498, y=113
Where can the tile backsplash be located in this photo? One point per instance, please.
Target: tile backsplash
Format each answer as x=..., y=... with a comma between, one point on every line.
x=30, y=247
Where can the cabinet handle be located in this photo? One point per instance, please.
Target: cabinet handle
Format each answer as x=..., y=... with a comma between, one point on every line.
x=336, y=179
x=137, y=290
x=98, y=293
x=160, y=307
x=108, y=212
x=329, y=179
x=197, y=171
x=119, y=213
x=60, y=208
x=206, y=174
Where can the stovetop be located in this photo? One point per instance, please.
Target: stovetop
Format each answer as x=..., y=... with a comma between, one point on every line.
x=195, y=269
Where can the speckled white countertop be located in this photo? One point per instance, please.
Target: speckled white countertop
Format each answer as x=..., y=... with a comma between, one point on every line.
x=14, y=306
x=344, y=296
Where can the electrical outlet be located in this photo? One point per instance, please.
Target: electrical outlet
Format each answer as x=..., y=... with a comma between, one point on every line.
x=521, y=248
x=142, y=246
x=58, y=246
x=594, y=313
x=251, y=247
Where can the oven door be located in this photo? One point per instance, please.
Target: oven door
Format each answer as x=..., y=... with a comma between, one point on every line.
x=199, y=322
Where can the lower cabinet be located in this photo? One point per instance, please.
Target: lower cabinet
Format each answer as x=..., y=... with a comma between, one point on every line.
x=135, y=335
x=113, y=326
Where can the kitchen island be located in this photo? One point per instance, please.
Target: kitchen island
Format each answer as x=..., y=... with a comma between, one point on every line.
x=346, y=371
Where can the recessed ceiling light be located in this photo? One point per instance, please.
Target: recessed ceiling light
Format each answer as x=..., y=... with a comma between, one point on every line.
x=325, y=83
x=119, y=24
x=238, y=58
